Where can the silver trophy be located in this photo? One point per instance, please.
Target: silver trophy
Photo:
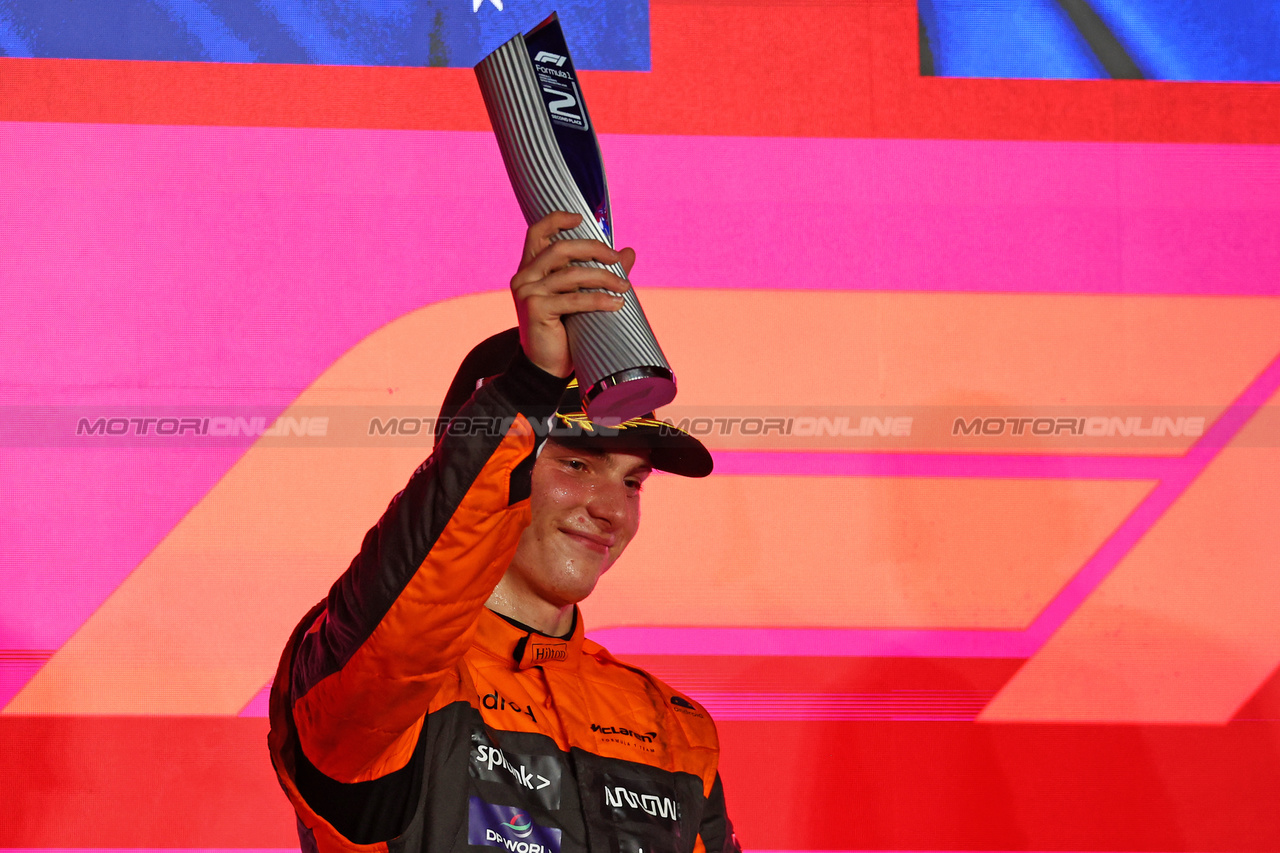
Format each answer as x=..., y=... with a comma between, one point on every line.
x=553, y=159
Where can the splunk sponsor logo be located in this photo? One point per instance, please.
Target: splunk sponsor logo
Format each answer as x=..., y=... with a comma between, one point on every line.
x=508, y=827
x=536, y=776
x=489, y=757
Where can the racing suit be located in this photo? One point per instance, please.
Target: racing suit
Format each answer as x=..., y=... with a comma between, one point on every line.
x=405, y=716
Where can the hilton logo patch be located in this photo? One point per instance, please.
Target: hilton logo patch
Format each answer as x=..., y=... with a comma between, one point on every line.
x=541, y=651
x=546, y=653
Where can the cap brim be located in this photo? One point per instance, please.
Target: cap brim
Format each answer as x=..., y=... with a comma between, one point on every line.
x=670, y=449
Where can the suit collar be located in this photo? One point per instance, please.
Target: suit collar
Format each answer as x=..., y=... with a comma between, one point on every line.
x=524, y=647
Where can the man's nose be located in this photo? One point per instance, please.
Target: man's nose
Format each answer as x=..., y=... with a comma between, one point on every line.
x=608, y=503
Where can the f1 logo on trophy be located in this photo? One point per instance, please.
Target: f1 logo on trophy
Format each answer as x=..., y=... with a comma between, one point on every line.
x=553, y=159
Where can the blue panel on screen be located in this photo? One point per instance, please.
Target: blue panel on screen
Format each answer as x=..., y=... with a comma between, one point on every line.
x=1198, y=40
x=1223, y=40
x=1004, y=38
x=603, y=34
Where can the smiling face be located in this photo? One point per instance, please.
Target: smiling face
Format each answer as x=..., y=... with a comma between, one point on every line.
x=586, y=508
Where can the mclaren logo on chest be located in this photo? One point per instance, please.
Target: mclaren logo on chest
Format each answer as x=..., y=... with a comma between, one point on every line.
x=643, y=737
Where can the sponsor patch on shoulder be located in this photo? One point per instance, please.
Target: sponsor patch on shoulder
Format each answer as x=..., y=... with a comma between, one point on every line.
x=490, y=825
x=684, y=706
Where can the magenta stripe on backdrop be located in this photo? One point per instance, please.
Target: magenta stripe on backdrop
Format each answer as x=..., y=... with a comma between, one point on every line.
x=294, y=850
x=1154, y=506
x=782, y=463
x=816, y=642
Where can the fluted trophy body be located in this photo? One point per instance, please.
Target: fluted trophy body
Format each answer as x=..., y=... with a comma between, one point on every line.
x=553, y=159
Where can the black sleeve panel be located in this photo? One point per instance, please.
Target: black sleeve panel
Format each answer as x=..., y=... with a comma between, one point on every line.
x=390, y=556
x=717, y=830
x=394, y=547
x=364, y=812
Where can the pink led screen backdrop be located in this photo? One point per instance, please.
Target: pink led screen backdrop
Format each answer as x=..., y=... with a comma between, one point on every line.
x=990, y=368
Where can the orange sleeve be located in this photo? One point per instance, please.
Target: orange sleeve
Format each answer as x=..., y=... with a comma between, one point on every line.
x=364, y=673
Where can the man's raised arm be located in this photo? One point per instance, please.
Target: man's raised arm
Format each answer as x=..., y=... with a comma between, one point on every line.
x=362, y=669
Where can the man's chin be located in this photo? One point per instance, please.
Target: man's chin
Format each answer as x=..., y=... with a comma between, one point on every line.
x=572, y=586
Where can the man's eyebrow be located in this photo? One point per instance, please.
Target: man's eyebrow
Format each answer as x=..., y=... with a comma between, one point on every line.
x=599, y=453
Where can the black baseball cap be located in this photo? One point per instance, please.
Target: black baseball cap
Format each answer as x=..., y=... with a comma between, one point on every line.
x=670, y=448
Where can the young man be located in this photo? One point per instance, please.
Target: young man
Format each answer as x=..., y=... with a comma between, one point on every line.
x=443, y=696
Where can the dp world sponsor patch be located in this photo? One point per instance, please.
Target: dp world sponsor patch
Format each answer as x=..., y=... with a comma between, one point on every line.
x=490, y=825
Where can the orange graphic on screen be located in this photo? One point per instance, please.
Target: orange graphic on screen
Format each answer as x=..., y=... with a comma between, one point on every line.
x=966, y=552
